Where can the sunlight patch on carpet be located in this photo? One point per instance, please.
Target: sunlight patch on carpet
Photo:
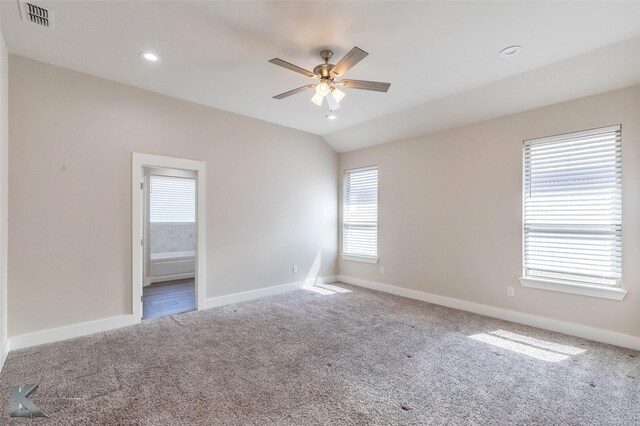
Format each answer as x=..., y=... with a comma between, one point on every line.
x=529, y=346
x=326, y=289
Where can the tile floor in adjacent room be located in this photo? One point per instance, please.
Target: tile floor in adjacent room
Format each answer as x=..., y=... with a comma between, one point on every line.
x=168, y=298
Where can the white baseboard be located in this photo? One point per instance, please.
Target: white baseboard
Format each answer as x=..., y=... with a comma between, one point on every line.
x=328, y=279
x=572, y=329
x=86, y=328
x=254, y=294
x=4, y=352
x=69, y=331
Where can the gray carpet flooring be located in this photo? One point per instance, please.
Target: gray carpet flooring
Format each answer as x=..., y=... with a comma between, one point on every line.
x=339, y=356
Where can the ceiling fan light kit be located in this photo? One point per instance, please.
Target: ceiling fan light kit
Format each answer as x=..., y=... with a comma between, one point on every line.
x=327, y=74
x=322, y=88
x=338, y=94
x=317, y=99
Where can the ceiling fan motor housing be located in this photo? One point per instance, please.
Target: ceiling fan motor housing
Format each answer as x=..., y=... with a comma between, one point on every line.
x=324, y=70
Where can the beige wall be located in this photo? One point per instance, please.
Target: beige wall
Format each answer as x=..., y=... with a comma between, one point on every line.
x=450, y=211
x=4, y=173
x=450, y=203
x=271, y=194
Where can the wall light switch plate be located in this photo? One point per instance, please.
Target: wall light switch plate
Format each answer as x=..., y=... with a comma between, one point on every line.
x=294, y=269
x=510, y=292
x=382, y=269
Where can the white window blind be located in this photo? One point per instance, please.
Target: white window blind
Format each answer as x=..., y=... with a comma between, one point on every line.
x=172, y=199
x=360, y=212
x=573, y=207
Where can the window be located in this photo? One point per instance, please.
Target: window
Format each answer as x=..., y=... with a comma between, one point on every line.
x=172, y=199
x=360, y=215
x=573, y=210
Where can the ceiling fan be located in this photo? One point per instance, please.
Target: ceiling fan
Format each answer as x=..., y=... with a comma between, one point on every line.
x=327, y=73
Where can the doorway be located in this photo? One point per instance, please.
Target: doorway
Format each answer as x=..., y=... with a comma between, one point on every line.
x=169, y=241
x=168, y=236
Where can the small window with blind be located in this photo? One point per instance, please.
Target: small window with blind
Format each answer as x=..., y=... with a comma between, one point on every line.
x=572, y=212
x=172, y=199
x=360, y=215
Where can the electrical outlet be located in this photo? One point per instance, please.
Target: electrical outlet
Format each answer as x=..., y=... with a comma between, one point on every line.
x=382, y=269
x=510, y=292
x=294, y=269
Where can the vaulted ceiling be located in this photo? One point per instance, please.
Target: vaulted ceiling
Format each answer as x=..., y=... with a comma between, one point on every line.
x=440, y=57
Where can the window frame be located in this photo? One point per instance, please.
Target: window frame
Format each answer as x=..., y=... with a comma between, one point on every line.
x=606, y=291
x=355, y=256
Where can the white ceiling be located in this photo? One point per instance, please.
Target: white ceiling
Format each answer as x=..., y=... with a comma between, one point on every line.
x=440, y=57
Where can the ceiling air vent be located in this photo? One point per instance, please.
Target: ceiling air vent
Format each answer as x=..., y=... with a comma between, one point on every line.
x=35, y=14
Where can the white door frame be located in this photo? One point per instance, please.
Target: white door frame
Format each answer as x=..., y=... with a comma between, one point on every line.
x=138, y=162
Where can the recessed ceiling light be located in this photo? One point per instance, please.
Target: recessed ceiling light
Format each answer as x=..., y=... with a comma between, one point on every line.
x=151, y=57
x=510, y=51
x=331, y=116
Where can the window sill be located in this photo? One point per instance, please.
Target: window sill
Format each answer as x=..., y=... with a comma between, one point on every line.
x=613, y=293
x=356, y=258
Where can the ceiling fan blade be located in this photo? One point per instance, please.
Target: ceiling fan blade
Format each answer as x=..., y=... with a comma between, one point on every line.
x=376, y=86
x=290, y=66
x=294, y=91
x=354, y=56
